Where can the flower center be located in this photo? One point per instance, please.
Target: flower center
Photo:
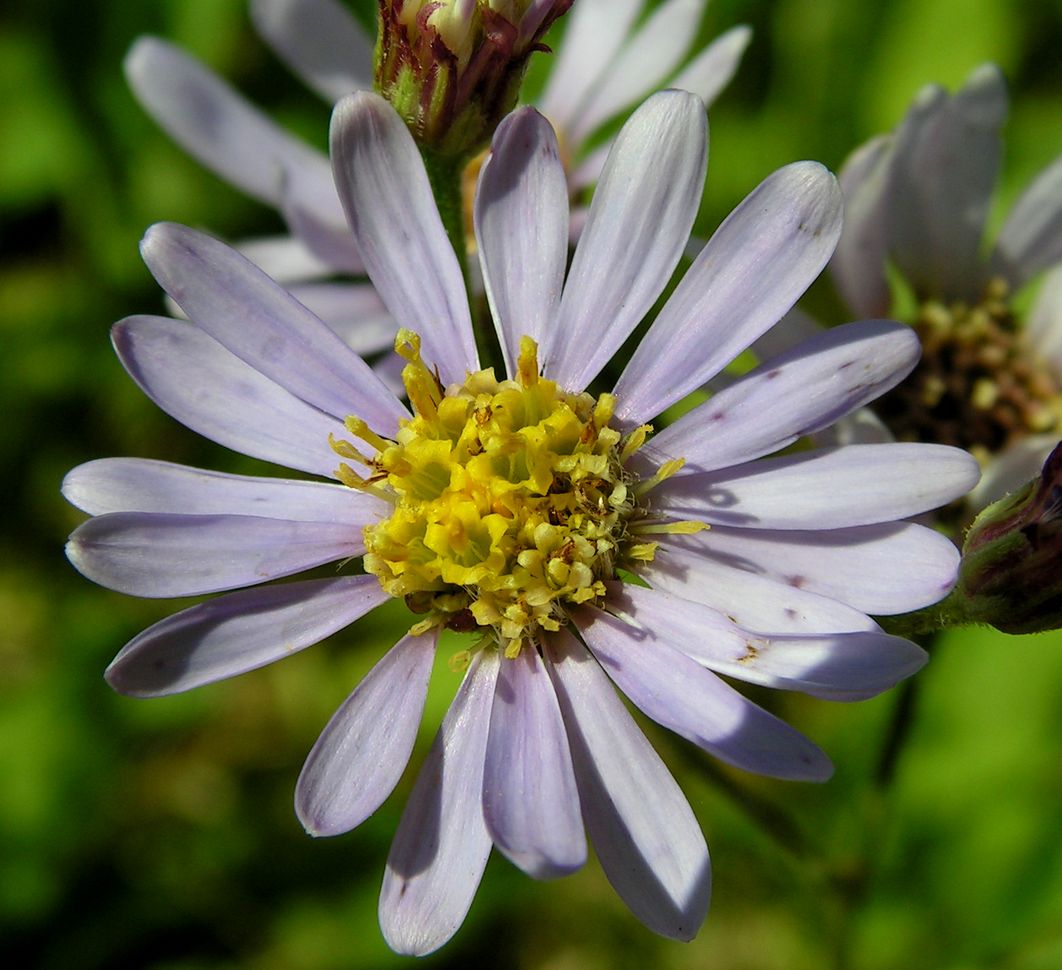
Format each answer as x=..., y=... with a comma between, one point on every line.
x=978, y=385
x=511, y=500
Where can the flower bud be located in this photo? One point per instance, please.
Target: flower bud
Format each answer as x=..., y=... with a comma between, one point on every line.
x=1011, y=575
x=452, y=68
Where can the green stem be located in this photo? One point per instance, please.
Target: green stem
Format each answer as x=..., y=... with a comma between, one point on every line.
x=445, y=176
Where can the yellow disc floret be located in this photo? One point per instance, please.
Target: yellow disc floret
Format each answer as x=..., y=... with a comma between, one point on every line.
x=510, y=500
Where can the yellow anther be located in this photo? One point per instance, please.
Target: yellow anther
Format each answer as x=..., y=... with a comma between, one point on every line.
x=686, y=527
x=664, y=472
x=358, y=428
x=634, y=441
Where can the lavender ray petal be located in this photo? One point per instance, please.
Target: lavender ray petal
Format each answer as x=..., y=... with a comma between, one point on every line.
x=197, y=381
x=1044, y=329
x=521, y=217
x=752, y=270
x=648, y=57
x=826, y=488
x=595, y=31
x=320, y=41
x=1031, y=238
x=353, y=310
x=265, y=326
x=640, y=824
x=238, y=632
x=884, y=569
x=858, y=263
x=530, y=801
x=144, y=485
x=713, y=69
x=441, y=846
x=756, y=603
x=946, y=162
x=283, y=258
x=639, y=222
x=398, y=231
x=839, y=666
x=797, y=393
x=155, y=554
x=690, y=700
x=217, y=126
x=363, y=750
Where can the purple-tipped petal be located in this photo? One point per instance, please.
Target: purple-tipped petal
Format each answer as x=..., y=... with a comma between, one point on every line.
x=441, y=846
x=828, y=488
x=858, y=263
x=752, y=270
x=219, y=128
x=712, y=70
x=690, y=700
x=884, y=569
x=142, y=485
x=798, y=393
x=239, y=632
x=639, y=222
x=398, y=231
x=265, y=326
x=530, y=801
x=1031, y=238
x=521, y=215
x=155, y=554
x=320, y=41
x=644, y=62
x=194, y=379
x=640, y=824
x=946, y=161
x=754, y=602
x=838, y=666
x=595, y=30
x=364, y=748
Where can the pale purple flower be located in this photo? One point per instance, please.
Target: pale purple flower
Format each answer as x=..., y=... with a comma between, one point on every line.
x=604, y=66
x=537, y=744
x=919, y=198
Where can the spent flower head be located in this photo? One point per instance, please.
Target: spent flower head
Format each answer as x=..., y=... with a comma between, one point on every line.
x=515, y=509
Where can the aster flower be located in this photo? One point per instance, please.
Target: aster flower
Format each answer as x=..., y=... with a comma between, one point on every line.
x=513, y=509
x=604, y=66
x=919, y=199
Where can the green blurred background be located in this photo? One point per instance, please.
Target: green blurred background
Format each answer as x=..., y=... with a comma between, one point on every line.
x=160, y=834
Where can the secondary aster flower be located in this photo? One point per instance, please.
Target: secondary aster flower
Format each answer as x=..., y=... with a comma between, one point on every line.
x=919, y=198
x=512, y=509
x=603, y=67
